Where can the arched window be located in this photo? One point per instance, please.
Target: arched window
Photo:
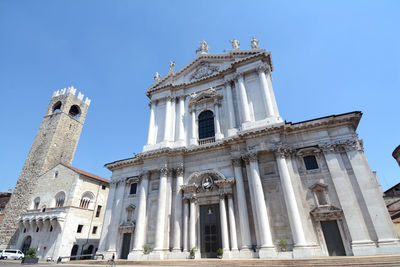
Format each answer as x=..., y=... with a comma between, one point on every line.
x=44, y=208
x=57, y=107
x=87, y=197
x=75, y=111
x=60, y=198
x=36, y=203
x=206, y=124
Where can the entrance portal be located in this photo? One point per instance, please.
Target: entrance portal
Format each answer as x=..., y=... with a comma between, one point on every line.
x=210, y=231
x=333, y=238
x=27, y=244
x=126, y=243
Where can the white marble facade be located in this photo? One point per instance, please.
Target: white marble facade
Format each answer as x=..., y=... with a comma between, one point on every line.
x=261, y=178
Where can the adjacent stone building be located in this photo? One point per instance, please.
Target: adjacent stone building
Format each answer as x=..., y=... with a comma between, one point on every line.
x=65, y=214
x=392, y=200
x=4, y=199
x=222, y=169
x=55, y=143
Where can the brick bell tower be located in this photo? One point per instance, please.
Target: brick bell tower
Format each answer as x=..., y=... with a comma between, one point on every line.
x=55, y=143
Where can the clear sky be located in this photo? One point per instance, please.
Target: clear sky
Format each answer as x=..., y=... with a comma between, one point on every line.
x=329, y=57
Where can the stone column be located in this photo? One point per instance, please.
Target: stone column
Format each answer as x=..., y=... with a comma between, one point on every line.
x=162, y=199
x=106, y=229
x=231, y=111
x=218, y=134
x=348, y=200
x=372, y=196
x=224, y=223
x=185, y=225
x=192, y=226
x=180, y=123
x=253, y=201
x=290, y=200
x=268, y=102
x=167, y=124
x=232, y=223
x=141, y=227
x=173, y=119
x=262, y=215
x=242, y=205
x=193, y=140
x=178, y=209
x=243, y=98
x=116, y=216
x=150, y=133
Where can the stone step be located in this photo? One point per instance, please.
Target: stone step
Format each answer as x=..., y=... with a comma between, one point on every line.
x=352, y=261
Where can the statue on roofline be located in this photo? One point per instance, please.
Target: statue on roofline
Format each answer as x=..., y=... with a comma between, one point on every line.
x=235, y=44
x=254, y=43
x=171, y=66
x=203, y=49
x=157, y=77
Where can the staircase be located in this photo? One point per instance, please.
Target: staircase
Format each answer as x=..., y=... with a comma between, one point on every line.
x=382, y=260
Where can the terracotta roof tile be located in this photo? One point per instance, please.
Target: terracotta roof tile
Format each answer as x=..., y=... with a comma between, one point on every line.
x=88, y=174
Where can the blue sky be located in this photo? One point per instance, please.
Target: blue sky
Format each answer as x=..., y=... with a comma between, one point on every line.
x=329, y=57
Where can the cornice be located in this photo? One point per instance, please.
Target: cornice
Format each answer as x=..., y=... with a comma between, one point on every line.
x=285, y=128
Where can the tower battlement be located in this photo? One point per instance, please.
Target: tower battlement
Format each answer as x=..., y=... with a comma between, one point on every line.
x=72, y=90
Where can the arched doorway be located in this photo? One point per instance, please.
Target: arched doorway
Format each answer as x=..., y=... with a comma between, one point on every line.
x=74, y=252
x=26, y=244
x=89, y=250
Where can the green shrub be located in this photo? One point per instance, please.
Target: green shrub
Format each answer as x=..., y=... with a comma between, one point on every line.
x=146, y=248
x=30, y=253
x=220, y=251
x=192, y=251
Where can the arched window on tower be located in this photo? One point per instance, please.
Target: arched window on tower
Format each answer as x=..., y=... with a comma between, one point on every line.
x=86, y=199
x=206, y=125
x=57, y=107
x=75, y=111
x=36, y=203
x=60, y=199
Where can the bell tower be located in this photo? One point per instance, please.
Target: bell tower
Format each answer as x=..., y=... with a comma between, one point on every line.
x=55, y=143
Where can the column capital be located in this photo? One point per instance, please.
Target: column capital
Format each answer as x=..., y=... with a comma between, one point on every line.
x=222, y=195
x=164, y=171
x=263, y=68
x=250, y=157
x=217, y=102
x=169, y=98
x=228, y=81
x=237, y=162
x=144, y=175
x=238, y=76
x=179, y=170
x=283, y=151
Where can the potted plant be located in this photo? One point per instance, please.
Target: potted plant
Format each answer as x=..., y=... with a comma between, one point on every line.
x=146, y=249
x=30, y=257
x=192, y=253
x=283, y=244
x=220, y=252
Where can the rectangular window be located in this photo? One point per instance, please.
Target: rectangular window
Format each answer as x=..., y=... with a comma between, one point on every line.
x=103, y=187
x=310, y=162
x=133, y=189
x=79, y=230
x=94, y=230
x=98, y=211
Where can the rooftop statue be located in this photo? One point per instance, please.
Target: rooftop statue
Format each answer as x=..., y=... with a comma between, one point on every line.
x=235, y=44
x=157, y=77
x=254, y=43
x=203, y=49
x=171, y=66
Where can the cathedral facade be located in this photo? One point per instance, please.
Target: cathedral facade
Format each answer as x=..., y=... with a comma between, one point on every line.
x=222, y=171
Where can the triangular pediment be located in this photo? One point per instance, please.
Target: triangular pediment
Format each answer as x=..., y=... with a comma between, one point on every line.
x=202, y=67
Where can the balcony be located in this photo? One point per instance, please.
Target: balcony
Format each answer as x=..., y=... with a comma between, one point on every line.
x=208, y=140
x=30, y=216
